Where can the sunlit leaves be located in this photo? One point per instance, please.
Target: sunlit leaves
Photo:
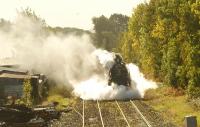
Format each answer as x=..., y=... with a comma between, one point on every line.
x=165, y=41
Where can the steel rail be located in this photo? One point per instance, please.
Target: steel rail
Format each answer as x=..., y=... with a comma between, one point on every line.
x=83, y=114
x=122, y=113
x=100, y=114
x=78, y=113
x=143, y=118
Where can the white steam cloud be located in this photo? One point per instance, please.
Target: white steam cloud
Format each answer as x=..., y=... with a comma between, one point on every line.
x=96, y=87
x=60, y=58
x=68, y=60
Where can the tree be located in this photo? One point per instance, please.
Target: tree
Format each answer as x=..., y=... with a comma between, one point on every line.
x=163, y=38
x=30, y=14
x=108, y=30
x=170, y=63
x=5, y=25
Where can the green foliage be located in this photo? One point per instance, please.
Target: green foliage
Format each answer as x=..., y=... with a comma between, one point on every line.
x=108, y=30
x=170, y=63
x=62, y=102
x=163, y=39
x=193, y=92
x=30, y=14
x=59, y=90
x=27, y=92
x=195, y=103
x=60, y=31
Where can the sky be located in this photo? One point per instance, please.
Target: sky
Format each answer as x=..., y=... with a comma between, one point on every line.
x=68, y=13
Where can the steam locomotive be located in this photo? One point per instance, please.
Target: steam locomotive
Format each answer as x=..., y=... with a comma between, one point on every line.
x=118, y=73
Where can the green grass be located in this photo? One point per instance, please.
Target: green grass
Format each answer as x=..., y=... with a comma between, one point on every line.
x=63, y=102
x=60, y=94
x=172, y=104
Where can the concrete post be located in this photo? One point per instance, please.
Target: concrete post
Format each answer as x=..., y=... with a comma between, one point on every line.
x=190, y=121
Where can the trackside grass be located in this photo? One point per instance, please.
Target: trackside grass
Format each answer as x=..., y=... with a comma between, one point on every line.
x=172, y=104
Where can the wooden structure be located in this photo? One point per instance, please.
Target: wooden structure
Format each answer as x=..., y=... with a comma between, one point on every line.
x=12, y=80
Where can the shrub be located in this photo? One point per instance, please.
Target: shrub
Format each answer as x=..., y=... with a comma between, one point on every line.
x=62, y=102
x=195, y=103
x=27, y=90
x=193, y=92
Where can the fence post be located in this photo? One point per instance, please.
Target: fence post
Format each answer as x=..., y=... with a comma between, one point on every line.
x=190, y=121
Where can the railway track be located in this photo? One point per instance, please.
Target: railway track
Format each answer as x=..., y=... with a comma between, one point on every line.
x=105, y=114
x=127, y=112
